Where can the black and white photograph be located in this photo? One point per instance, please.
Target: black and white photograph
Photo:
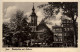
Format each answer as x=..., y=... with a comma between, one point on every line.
x=40, y=24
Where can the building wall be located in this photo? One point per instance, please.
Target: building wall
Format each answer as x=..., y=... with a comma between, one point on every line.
x=57, y=33
x=68, y=32
x=64, y=34
x=57, y=36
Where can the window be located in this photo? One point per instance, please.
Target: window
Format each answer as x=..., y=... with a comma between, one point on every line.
x=63, y=21
x=59, y=34
x=67, y=21
x=71, y=28
x=68, y=29
x=56, y=39
x=65, y=29
x=64, y=34
x=60, y=39
x=64, y=25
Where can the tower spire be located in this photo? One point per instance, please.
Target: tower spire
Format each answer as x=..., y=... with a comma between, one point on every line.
x=33, y=9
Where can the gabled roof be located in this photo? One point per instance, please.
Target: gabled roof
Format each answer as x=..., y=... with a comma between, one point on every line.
x=42, y=26
x=44, y=33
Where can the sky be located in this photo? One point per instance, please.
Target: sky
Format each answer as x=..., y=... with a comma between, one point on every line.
x=10, y=8
x=26, y=6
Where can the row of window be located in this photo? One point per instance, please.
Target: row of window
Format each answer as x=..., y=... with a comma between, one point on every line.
x=57, y=34
x=68, y=44
x=68, y=29
x=57, y=40
x=67, y=25
x=57, y=30
x=67, y=21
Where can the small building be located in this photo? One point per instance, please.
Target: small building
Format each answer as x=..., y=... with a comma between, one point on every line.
x=57, y=36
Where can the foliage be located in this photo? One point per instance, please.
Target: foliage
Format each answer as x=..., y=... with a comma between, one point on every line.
x=70, y=9
x=17, y=30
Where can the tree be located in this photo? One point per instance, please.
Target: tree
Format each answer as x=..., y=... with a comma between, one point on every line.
x=70, y=9
x=16, y=20
x=5, y=27
x=6, y=35
x=19, y=29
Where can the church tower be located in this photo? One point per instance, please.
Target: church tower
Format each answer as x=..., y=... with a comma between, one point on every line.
x=33, y=19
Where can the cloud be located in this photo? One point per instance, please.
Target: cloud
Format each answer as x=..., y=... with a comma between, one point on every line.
x=6, y=20
x=66, y=17
x=40, y=15
x=28, y=16
x=55, y=19
x=9, y=12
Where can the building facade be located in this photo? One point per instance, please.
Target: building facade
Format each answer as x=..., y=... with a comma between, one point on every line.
x=57, y=36
x=68, y=32
x=64, y=34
